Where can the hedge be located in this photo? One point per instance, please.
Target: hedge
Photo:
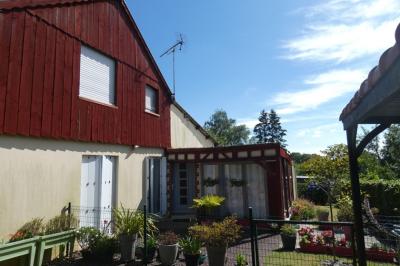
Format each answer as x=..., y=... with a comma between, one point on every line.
x=383, y=194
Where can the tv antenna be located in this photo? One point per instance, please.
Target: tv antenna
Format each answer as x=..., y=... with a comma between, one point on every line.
x=177, y=46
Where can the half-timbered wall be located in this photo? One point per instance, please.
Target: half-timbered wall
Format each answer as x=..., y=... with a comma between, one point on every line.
x=39, y=76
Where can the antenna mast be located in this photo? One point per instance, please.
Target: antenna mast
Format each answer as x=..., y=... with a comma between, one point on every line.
x=178, y=45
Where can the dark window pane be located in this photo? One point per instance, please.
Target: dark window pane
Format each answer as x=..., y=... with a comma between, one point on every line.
x=183, y=183
x=182, y=175
x=182, y=166
x=183, y=192
x=183, y=201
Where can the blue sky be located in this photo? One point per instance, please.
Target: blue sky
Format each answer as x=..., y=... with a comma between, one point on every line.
x=304, y=58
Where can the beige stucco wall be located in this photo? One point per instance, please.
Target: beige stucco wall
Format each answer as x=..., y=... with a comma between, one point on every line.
x=183, y=132
x=38, y=177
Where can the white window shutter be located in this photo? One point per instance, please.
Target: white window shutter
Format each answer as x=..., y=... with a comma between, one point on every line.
x=97, y=76
x=107, y=184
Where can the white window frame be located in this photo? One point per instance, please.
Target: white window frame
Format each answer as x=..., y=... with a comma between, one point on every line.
x=151, y=101
x=97, y=76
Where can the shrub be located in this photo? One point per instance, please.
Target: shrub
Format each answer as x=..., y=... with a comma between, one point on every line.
x=168, y=238
x=345, y=209
x=241, y=260
x=96, y=244
x=60, y=223
x=303, y=209
x=217, y=234
x=383, y=194
x=87, y=236
x=30, y=229
x=288, y=230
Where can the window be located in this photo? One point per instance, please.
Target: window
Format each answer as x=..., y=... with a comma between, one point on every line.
x=151, y=100
x=97, y=76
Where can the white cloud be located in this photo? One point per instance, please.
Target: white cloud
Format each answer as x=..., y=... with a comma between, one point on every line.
x=322, y=88
x=319, y=131
x=343, y=30
x=248, y=122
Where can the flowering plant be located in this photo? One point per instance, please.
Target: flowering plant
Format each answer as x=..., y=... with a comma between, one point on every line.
x=319, y=240
x=342, y=243
x=307, y=235
x=328, y=236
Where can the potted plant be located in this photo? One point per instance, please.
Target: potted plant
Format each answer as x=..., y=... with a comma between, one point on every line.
x=191, y=250
x=216, y=237
x=96, y=245
x=240, y=260
x=206, y=206
x=168, y=247
x=128, y=224
x=151, y=249
x=288, y=236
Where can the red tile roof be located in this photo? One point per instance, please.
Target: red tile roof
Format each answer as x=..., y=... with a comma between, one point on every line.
x=385, y=62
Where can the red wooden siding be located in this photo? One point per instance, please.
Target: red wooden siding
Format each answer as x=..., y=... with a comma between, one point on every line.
x=39, y=76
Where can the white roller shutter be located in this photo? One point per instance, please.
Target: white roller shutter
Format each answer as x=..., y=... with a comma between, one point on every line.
x=97, y=76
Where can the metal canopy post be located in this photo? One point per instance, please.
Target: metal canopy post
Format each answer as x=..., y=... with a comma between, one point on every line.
x=355, y=186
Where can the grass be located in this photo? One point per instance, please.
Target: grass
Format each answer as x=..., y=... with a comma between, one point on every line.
x=293, y=258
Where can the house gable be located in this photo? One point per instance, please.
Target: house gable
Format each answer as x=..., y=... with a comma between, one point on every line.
x=39, y=74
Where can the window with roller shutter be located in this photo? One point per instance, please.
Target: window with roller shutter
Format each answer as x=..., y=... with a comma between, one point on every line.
x=97, y=76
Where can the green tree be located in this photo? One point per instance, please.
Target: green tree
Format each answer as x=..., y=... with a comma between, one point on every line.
x=225, y=131
x=330, y=170
x=269, y=129
x=391, y=148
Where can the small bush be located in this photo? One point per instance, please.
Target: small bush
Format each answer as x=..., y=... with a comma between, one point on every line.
x=303, y=209
x=60, y=223
x=95, y=244
x=168, y=238
x=240, y=260
x=30, y=229
x=345, y=209
x=217, y=234
x=288, y=230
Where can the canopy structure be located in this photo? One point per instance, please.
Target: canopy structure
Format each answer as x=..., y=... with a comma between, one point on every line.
x=376, y=102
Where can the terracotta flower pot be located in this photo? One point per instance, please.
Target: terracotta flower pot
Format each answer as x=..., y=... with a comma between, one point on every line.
x=127, y=246
x=168, y=254
x=216, y=256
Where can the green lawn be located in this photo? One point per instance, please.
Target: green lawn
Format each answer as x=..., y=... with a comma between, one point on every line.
x=288, y=258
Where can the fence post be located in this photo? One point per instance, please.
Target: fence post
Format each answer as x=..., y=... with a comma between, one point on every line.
x=253, y=253
x=145, y=234
x=69, y=213
x=256, y=244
